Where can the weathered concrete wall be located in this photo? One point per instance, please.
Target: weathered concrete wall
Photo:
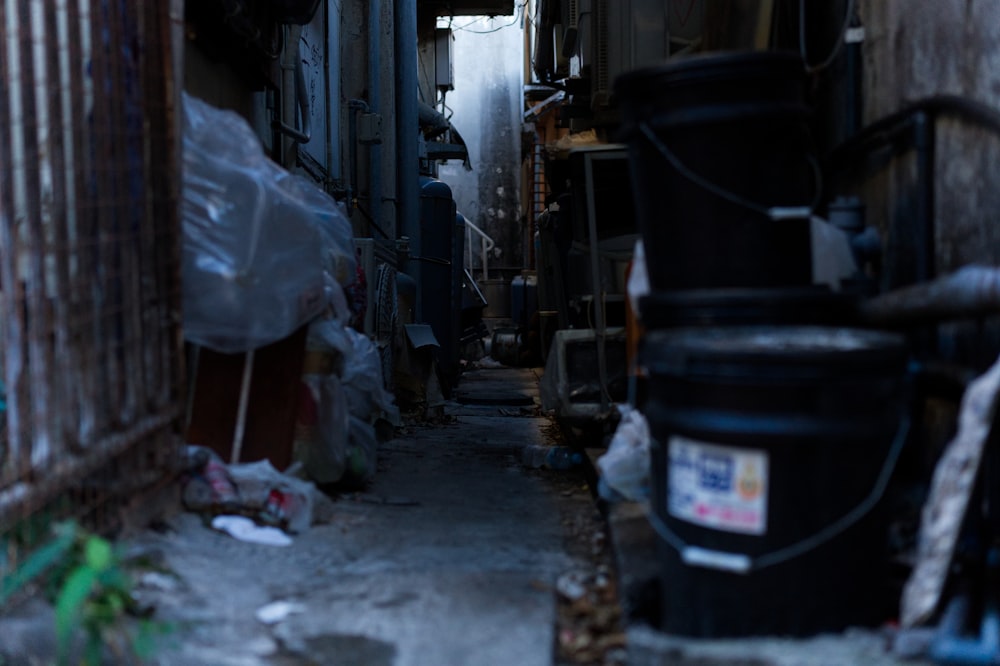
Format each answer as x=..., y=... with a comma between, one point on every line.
x=487, y=112
x=914, y=49
x=918, y=48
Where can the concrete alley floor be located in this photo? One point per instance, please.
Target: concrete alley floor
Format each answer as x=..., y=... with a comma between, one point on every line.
x=452, y=556
x=456, y=555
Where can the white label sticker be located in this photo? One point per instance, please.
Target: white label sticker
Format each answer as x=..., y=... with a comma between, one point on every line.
x=720, y=487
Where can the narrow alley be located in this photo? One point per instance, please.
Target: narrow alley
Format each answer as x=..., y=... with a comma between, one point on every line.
x=452, y=556
x=499, y=333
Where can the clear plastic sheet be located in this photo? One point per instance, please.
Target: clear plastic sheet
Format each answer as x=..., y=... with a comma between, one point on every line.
x=253, y=269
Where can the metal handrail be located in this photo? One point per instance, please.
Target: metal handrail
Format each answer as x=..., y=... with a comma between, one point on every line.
x=485, y=245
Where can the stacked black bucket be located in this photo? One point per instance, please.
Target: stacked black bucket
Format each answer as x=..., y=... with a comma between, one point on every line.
x=775, y=421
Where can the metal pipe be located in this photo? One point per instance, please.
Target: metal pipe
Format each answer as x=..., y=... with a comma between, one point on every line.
x=353, y=106
x=302, y=96
x=292, y=36
x=972, y=291
x=407, y=159
x=374, y=104
x=241, y=411
x=888, y=130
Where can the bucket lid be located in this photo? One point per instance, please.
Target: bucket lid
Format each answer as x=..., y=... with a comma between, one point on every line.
x=746, y=350
x=711, y=67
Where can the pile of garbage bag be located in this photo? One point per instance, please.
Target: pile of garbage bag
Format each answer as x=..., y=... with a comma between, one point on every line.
x=263, y=250
x=266, y=252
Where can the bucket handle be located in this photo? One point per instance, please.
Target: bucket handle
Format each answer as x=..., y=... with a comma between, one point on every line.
x=744, y=564
x=775, y=213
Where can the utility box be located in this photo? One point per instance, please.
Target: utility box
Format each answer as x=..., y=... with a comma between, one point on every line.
x=444, y=63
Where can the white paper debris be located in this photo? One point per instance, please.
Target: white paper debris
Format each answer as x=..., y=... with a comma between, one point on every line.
x=244, y=529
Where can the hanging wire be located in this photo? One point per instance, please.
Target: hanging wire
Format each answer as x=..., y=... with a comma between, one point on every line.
x=518, y=16
x=814, y=69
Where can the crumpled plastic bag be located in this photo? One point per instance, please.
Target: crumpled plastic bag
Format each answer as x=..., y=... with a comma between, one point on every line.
x=285, y=501
x=362, y=454
x=339, y=252
x=624, y=467
x=252, y=262
x=832, y=257
x=329, y=337
x=321, y=429
x=362, y=375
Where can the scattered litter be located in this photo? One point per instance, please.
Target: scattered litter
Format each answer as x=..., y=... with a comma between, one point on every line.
x=279, y=499
x=154, y=580
x=276, y=611
x=244, y=529
x=208, y=484
x=572, y=585
x=488, y=362
x=256, y=490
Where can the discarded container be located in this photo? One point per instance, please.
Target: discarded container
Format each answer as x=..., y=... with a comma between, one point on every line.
x=523, y=298
x=498, y=299
x=771, y=449
x=505, y=345
x=714, y=142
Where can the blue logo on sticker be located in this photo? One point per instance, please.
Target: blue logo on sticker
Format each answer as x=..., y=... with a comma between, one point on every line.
x=716, y=473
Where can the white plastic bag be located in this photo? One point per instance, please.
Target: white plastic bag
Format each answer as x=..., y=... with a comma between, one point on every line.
x=362, y=375
x=252, y=261
x=624, y=467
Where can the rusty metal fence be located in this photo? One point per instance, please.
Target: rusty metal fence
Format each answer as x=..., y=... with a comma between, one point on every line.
x=89, y=278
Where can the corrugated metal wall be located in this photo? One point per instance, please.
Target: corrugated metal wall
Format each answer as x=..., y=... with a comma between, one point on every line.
x=89, y=281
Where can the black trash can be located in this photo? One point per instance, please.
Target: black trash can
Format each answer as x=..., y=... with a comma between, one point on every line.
x=772, y=447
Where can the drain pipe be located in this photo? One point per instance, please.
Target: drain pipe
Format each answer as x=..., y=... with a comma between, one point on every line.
x=374, y=102
x=914, y=127
x=353, y=107
x=972, y=291
x=407, y=159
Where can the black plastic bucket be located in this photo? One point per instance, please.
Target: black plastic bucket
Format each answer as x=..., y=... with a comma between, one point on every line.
x=813, y=304
x=718, y=143
x=772, y=448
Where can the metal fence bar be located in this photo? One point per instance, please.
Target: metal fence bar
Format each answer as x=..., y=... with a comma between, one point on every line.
x=61, y=412
x=10, y=446
x=83, y=232
x=39, y=323
x=89, y=253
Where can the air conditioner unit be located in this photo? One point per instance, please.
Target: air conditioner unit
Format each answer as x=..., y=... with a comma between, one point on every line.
x=572, y=384
x=627, y=34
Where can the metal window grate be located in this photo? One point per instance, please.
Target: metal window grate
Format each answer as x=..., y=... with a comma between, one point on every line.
x=89, y=255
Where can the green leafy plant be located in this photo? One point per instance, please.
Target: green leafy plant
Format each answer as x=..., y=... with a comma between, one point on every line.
x=42, y=560
x=91, y=587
